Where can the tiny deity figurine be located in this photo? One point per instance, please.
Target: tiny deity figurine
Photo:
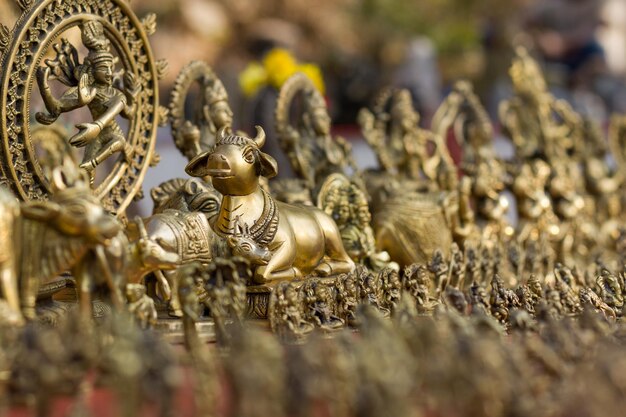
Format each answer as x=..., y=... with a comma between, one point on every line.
x=347, y=298
x=288, y=317
x=347, y=204
x=301, y=240
x=538, y=123
x=140, y=305
x=93, y=84
x=320, y=306
x=402, y=147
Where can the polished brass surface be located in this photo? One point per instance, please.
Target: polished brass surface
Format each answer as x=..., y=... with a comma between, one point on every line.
x=301, y=239
x=117, y=76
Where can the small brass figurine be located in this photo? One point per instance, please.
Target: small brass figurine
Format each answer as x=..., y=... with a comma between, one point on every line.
x=538, y=123
x=140, y=305
x=320, y=306
x=347, y=204
x=180, y=228
x=57, y=235
x=196, y=134
x=288, y=319
x=313, y=152
x=302, y=240
x=92, y=85
x=402, y=147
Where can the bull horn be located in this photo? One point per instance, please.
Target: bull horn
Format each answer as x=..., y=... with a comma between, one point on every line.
x=221, y=134
x=260, y=137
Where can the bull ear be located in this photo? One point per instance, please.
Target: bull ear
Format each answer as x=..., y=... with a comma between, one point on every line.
x=41, y=210
x=269, y=167
x=232, y=241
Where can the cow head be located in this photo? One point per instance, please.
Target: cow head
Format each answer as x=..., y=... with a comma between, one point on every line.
x=235, y=163
x=242, y=244
x=73, y=210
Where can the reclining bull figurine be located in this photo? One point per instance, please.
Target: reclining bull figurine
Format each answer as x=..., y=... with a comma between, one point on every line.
x=302, y=240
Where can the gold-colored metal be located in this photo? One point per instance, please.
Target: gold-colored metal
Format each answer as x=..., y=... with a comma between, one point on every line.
x=347, y=204
x=402, y=147
x=531, y=311
x=313, y=152
x=486, y=175
x=301, y=239
x=140, y=305
x=538, y=124
x=90, y=85
x=39, y=58
x=196, y=134
x=57, y=235
x=417, y=203
x=179, y=232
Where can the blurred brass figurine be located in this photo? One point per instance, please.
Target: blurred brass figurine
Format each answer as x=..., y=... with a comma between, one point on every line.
x=180, y=228
x=313, y=152
x=537, y=123
x=301, y=239
x=287, y=307
x=197, y=133
x=92, y=85
x=395, y=136
x=347, y=204
x=402, y=147
x=57, y=235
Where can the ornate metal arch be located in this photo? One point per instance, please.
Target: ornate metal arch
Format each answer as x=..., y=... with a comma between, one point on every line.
x=22, y=50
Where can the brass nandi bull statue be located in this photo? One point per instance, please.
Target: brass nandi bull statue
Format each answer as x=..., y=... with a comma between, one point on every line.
x=302, y=240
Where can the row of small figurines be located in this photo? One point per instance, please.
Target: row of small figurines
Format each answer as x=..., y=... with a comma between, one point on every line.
x=412, y=362
x=297, y=308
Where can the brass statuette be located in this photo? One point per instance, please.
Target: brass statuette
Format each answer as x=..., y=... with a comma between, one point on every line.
x=313, y=152
x=196, y=133
x=301, y=239
x=117, y=76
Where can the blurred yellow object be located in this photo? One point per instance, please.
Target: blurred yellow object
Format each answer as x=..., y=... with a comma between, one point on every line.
x=314, y=73
x=252, y=79
x=278, y=65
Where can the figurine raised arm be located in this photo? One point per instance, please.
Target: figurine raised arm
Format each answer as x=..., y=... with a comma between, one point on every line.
x=91, y=85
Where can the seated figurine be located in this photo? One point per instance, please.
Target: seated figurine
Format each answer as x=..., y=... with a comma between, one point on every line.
x=302, y=240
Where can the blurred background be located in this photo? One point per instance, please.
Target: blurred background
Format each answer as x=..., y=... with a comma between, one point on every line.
x=363, y=45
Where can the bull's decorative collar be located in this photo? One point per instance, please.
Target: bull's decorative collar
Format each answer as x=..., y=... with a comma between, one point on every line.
x=264, y=229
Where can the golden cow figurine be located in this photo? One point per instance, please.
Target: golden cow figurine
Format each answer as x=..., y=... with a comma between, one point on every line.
x=302, y=240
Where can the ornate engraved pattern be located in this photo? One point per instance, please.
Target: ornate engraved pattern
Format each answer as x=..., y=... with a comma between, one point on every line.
x=258, y=305
x=264, y=229
x=192, y=237
x=34, y=33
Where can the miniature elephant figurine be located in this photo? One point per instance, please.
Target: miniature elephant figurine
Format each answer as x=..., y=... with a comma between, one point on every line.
x=302, y=240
